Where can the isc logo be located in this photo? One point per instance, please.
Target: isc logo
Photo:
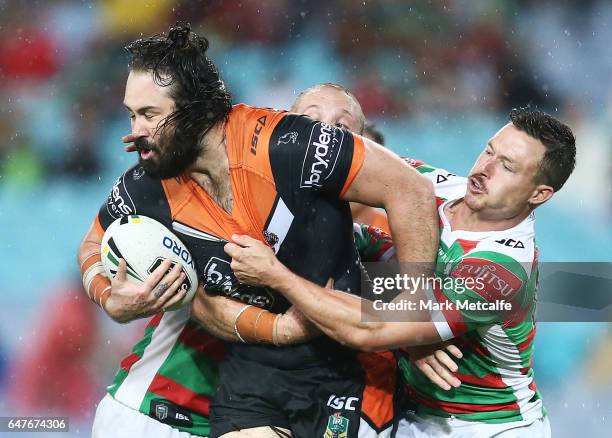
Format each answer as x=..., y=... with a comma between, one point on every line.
x=177, y=249
x=343, y=402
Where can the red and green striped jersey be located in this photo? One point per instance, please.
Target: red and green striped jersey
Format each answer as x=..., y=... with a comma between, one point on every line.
x=173, y=366
x=497, y=379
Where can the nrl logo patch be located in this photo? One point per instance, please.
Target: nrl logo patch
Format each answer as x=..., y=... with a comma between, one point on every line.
x=337, y=426
x=161, y=412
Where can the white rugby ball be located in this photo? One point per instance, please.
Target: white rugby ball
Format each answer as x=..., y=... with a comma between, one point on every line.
x=144, y=244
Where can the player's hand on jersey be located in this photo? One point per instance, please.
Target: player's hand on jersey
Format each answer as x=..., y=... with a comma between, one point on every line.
x=253, y=262
x=436, y=363
x=161, y=290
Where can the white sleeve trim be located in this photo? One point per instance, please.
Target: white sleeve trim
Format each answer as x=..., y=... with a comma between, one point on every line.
x=444, y=330
x=438, y=319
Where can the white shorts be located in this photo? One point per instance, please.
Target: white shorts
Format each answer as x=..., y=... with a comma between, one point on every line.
x=115, y=420
x=424, y=426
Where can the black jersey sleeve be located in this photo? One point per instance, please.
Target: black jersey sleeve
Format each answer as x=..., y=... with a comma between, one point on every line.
x=308, y=156
x=135, y=192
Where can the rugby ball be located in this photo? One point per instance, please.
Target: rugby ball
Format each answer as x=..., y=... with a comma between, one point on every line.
x=144, y=244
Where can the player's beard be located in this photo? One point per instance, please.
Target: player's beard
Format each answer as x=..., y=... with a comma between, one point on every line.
x=171, y=157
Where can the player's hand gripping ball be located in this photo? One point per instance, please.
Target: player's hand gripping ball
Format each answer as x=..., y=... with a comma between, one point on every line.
x=144, y=244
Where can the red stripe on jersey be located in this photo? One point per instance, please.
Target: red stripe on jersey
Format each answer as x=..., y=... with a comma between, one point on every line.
x=128, y=361
x=412, y=162
x=533, y=386
x=451, y=313
x=476, y=346
x=193, y=336
x=180, y=395
x=467, y=245
x=154, y=322
x=488, y=381
x=527, y=342
x=459, y=408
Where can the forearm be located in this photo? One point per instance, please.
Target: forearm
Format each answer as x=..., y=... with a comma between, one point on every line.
x=412, y=215
x=335, y=313
x=341, y=316
x=95, y=282
x=234, y=321
x=217, y=314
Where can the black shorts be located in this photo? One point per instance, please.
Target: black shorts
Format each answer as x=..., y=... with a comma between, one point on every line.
x=342, y=395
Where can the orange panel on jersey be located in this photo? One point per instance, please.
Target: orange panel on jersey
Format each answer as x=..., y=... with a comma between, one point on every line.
x=358, y=157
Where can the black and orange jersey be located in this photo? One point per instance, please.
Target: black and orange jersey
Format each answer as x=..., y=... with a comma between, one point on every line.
x=287, y=174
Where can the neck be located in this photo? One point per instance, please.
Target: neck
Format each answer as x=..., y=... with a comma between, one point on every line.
x=211, y=168
x=462, y=217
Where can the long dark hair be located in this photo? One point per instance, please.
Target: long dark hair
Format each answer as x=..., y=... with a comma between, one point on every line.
x=179, y=61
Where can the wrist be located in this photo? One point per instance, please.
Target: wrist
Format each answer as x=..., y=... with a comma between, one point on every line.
x=281, y=335
x=279, y=277
x=255, y=325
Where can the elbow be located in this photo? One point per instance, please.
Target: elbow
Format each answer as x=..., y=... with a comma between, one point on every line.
x=364, y=339
x=410, y=189
x=421, y=187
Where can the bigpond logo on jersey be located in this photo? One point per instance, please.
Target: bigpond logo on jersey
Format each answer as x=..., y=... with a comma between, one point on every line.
x=119, y=201
x=497, y=281
x=220, y=278
x=322, y=153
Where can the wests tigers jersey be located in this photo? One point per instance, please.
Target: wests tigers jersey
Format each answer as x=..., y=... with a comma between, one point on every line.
x=287, y=173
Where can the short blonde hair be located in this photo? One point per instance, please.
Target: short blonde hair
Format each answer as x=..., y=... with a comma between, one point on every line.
x=338, y=87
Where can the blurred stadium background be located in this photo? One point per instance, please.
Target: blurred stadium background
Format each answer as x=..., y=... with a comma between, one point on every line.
x=437, y=78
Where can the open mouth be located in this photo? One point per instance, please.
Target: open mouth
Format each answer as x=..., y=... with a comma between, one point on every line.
x=476, y=185
x=146, y=154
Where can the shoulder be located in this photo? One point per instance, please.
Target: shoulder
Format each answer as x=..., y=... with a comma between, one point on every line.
x=447, y=185
x=134, y=192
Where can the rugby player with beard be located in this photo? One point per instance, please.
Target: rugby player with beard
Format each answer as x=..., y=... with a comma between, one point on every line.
x=209, y=170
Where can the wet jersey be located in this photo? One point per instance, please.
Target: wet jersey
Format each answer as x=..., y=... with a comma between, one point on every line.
x=287, y=173
x=494, y=267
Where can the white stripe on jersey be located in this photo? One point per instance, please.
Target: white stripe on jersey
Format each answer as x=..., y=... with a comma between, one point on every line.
x=438, y=317
x=133, y=389
x=366, y=431
x=507, y=358
x=280, y=222
x=189, y=231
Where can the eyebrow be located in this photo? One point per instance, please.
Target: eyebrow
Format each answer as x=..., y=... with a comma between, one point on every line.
x=314, y=105
x=142, y=110
x=503, y=157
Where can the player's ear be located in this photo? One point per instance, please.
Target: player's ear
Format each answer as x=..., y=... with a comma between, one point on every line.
x=540, y=195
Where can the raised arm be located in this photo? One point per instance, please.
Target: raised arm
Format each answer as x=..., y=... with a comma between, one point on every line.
x=385, y=180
